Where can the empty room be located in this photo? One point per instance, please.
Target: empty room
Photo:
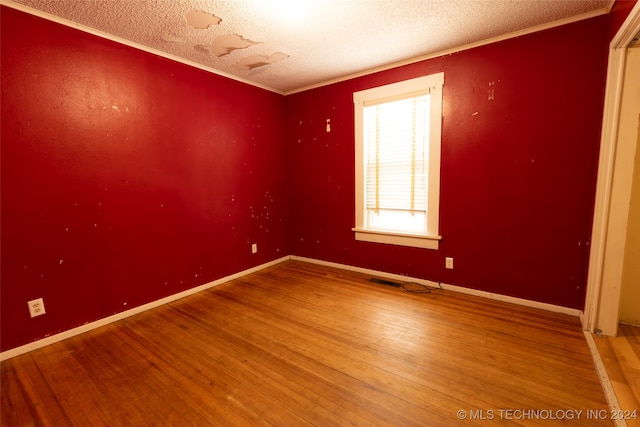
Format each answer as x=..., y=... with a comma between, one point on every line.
x=319, y=213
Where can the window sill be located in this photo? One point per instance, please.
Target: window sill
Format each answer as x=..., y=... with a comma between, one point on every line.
x=401, y=239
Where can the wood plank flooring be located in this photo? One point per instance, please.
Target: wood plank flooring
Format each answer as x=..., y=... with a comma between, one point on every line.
x=621, y=358
x=299, y=344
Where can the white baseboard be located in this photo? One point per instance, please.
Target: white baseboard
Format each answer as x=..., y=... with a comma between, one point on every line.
x=636, y=324
x=136, y=310
x=118, y=316
x=498, y=297
x=605, y=381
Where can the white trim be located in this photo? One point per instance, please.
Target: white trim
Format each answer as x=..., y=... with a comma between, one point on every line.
x=130, y=43
x=468, y=291
x=611, y=116
x=462, y=48
x=399, y=90
x=431, y=84
x=605, y=381
x=136, y=310
x=603, y=186
x=514, y=300
x=491, y=40
x=412, y=240
x=637, y=325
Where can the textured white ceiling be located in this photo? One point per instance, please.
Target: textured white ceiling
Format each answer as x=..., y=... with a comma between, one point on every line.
x=288, y=45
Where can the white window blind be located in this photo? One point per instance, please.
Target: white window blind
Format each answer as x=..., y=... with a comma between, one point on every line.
x=396, y=138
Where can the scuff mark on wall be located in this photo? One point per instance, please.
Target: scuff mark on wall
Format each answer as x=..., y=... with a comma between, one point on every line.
x=491, y=91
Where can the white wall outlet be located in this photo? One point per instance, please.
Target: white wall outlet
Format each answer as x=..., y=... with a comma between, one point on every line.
x=36, y=307
x=448, y=263
x=254, y=248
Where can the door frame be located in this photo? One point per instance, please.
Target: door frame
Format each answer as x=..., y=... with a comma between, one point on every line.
x=608, y=236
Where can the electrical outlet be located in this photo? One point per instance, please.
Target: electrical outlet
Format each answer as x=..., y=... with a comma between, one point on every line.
x=448, y=263
x=36, y=307
x=254, y=248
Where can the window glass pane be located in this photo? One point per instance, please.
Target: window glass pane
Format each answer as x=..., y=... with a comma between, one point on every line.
x=396, y=138
x=402, y=221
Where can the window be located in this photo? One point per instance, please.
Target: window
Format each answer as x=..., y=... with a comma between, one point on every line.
x=397, y=132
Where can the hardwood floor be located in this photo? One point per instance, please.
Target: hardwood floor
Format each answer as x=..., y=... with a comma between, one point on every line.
x=621, y=358
x=299, y=344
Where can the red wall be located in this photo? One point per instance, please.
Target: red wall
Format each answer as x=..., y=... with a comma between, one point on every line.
x=126, y=177
x=518, y=172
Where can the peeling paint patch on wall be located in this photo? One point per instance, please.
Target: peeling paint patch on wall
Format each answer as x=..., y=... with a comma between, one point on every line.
x=251, y=62
x=201, y=20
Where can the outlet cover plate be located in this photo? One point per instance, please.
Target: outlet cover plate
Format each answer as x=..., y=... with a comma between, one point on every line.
x=448, y=263
x=36, y=307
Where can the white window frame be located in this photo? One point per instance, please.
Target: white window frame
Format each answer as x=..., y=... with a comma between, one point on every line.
x=431, y=84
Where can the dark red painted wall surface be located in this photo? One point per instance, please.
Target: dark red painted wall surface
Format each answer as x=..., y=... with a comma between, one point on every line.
x=518, y=171
x=126, y=177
